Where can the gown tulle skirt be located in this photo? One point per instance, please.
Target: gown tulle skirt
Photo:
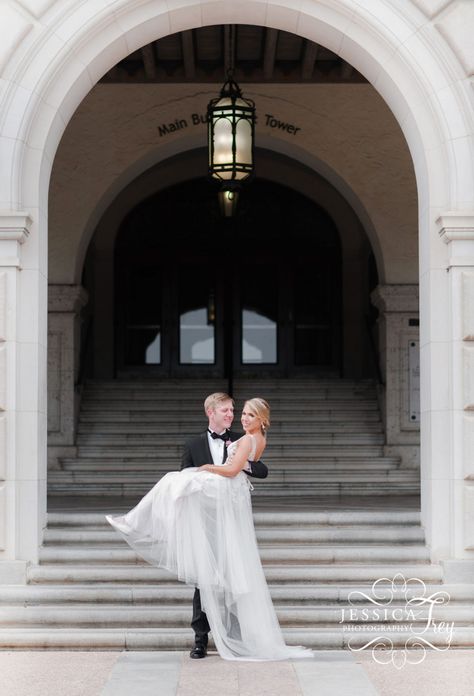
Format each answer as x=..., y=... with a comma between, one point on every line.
x=199, y=526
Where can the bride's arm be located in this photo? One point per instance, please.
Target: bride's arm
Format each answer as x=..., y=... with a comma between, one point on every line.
x=238, y=462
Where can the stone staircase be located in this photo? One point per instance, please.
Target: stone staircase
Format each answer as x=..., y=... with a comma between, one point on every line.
x=90, y=591
x=325, y=524
x=326, y=438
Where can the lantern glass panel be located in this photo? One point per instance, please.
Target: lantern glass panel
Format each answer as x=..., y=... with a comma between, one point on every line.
x=222, y=141
x=243, y=138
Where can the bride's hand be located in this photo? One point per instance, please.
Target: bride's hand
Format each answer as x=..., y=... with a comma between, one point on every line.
x=204, y=467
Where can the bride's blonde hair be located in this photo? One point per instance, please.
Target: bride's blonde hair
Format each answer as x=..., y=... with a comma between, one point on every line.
x=261, y=409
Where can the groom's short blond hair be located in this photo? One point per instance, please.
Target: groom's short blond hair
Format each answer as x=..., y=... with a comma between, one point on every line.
x=213, y=401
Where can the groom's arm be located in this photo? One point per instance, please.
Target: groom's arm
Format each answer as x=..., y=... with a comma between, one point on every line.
x=187, y=458
x=258, y=470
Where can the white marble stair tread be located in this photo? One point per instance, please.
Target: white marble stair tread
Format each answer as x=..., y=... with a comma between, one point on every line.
x=276, y=465
x=178, y=616
x=408, y=485
x=268, y=554
x=281, y=535
x=272, y=517
x=349, y=424
x=192, y=422
x=114, y=451
x=292, y=475
x=291, y=573
x=297, y=594
x=179, y=639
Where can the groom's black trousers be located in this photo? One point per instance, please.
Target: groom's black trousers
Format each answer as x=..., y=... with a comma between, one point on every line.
x=199, y=623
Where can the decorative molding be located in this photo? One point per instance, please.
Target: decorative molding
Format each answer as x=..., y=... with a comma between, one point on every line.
x=456, y=227
x=14, y=231
x=431, y=8
x=14, y=226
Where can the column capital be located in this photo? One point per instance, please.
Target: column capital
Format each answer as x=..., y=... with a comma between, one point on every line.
x=457, y=230
x=14, y=231
x=456, y=226
x=396, y=298
x=66, y=298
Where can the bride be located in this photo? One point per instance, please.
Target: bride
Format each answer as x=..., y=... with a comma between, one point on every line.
x=198, y=524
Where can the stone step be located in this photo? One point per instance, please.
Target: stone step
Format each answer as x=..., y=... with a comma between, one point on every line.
x=193, y=396
x=279, y=518
x=303, y=432
x=196, y=423
x=315, y=463
x=277, y=442
x=339, y=450
x=136, y=573
x=291, y=477
x=274, y=535
x=128, y=594
x=275, y=491
x=241, y=386
x=175, y=616
x=334, y=637
x=178, y=406
x=304, y=553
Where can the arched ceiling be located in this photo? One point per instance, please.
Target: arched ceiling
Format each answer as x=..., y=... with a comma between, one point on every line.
x=258, y=54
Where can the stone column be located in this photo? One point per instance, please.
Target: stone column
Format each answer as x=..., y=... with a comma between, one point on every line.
x=22, y=411
x=400, y=367
x=451, y=477
x=64, y=337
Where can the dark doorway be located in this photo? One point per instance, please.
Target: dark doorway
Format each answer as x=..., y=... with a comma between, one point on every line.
x=197, y=294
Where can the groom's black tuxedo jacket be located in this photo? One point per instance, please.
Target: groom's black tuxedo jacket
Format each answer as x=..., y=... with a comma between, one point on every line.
x=197, y=452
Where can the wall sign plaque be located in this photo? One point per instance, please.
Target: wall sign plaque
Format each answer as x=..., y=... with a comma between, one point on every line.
x=194, y=119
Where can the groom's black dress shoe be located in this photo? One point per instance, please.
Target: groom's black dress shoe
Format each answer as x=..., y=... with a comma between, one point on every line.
x=198, y=651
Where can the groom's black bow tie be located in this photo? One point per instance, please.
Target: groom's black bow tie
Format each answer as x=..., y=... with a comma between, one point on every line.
x=224, y=436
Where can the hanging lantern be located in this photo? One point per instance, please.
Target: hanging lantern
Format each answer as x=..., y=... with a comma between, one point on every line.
x=231, y=123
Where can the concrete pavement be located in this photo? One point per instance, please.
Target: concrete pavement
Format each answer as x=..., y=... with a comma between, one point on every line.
x=143, y=673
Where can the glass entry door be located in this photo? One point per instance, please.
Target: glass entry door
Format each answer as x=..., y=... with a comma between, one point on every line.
x=166, y=319
x=199, y=295
x=258, y=309
x=142, y=330
x=287, y=319
x=197, y=316
x=188, y=320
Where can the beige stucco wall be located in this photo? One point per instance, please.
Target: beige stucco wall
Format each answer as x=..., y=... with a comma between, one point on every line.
x=346, y=131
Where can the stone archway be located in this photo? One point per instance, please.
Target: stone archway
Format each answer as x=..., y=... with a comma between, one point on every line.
x=272, y=167
x=52, y=56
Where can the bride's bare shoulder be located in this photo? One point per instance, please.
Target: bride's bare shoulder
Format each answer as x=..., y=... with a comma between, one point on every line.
x=246, y=439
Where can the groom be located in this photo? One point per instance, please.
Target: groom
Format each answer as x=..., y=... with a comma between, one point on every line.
x=211, y=447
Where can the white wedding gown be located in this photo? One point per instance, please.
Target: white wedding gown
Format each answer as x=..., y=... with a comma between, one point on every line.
x=199, y=526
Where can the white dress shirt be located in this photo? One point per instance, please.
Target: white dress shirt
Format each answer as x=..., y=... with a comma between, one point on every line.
x=216, y=445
